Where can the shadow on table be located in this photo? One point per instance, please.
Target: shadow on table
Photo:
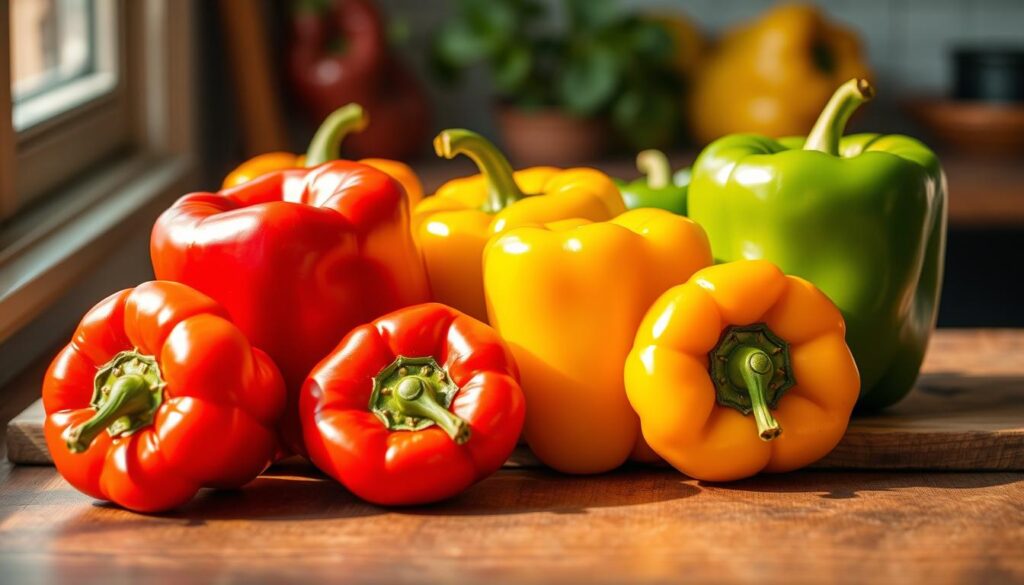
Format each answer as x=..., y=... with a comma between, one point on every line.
x=842, y=485
x=978, y=399
x=276, y=498
x=306, y=494
x=278, y=495
x=541, y=490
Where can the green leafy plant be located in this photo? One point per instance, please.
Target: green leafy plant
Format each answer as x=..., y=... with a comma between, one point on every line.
x=602, y=62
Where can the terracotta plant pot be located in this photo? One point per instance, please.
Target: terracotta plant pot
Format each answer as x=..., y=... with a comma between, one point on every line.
x=550, y=137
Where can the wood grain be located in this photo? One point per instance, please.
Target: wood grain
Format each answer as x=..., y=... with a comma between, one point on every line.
x=966, y=413
x=531, y=526
x=25, y=442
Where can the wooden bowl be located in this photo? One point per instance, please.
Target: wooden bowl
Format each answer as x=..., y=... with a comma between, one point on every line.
x=989, y=129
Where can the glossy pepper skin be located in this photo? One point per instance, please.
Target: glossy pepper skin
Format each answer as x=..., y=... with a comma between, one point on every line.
x=773, y=76
x=157, y=395
x=414, y=407
x=567, y=298
x=298, y=258
x=658, y=187
x=862, y=217
x=324, y=147
x=741, y=370
x=453, y=226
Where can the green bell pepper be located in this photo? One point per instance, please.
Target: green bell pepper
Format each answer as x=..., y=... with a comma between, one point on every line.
x=863, y=217
x=659, y=187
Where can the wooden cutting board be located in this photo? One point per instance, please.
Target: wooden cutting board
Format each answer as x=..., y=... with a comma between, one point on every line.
x=966, y=413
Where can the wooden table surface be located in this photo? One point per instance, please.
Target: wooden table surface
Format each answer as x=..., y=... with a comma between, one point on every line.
x=635, y=525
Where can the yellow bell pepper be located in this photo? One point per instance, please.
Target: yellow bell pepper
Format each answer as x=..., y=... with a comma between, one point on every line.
x=567, y=298
x=773, y=76
x=736, y=340
x=325, y=146
x=453, y=226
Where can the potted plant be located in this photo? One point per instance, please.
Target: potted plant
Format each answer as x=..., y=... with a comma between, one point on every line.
x=561, y=90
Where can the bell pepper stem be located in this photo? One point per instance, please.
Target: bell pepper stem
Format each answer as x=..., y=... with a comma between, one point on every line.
x=414, y=398
x=129, y=395
x=825, y=135
x=756, y=370
x=502, y=189
x=655, y=165
x=414, y=393
x=326, y=143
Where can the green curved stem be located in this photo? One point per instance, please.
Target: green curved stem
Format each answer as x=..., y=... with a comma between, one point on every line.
x=414, y=393
x=130, y=395
x=414, y=398
x=755, y=368
x=502, y=189
x=326, y=143
x=825, y=135
x=655, y=165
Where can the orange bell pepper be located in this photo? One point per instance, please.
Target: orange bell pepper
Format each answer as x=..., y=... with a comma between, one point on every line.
x=736, y=340
x=325, y=147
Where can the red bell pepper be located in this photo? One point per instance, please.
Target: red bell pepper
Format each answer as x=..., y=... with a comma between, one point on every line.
x=338, y=54
x=157, y=395
x=414, y=407
x=298, y=258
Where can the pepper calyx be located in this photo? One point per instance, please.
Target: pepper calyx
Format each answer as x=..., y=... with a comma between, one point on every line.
x=127, y=391
x=414, y=393
x=751, y=371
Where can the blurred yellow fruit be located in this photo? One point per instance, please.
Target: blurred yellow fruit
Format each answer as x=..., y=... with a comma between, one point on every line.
x=774, y=75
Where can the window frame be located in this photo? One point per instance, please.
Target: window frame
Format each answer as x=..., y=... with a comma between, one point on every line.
x=47, y=153
x=72, y=225
x=7, y=135
x=98, y=76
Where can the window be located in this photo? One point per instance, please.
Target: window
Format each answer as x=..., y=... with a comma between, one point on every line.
x=62, y=56
x=68, y=88
x=95, y=138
